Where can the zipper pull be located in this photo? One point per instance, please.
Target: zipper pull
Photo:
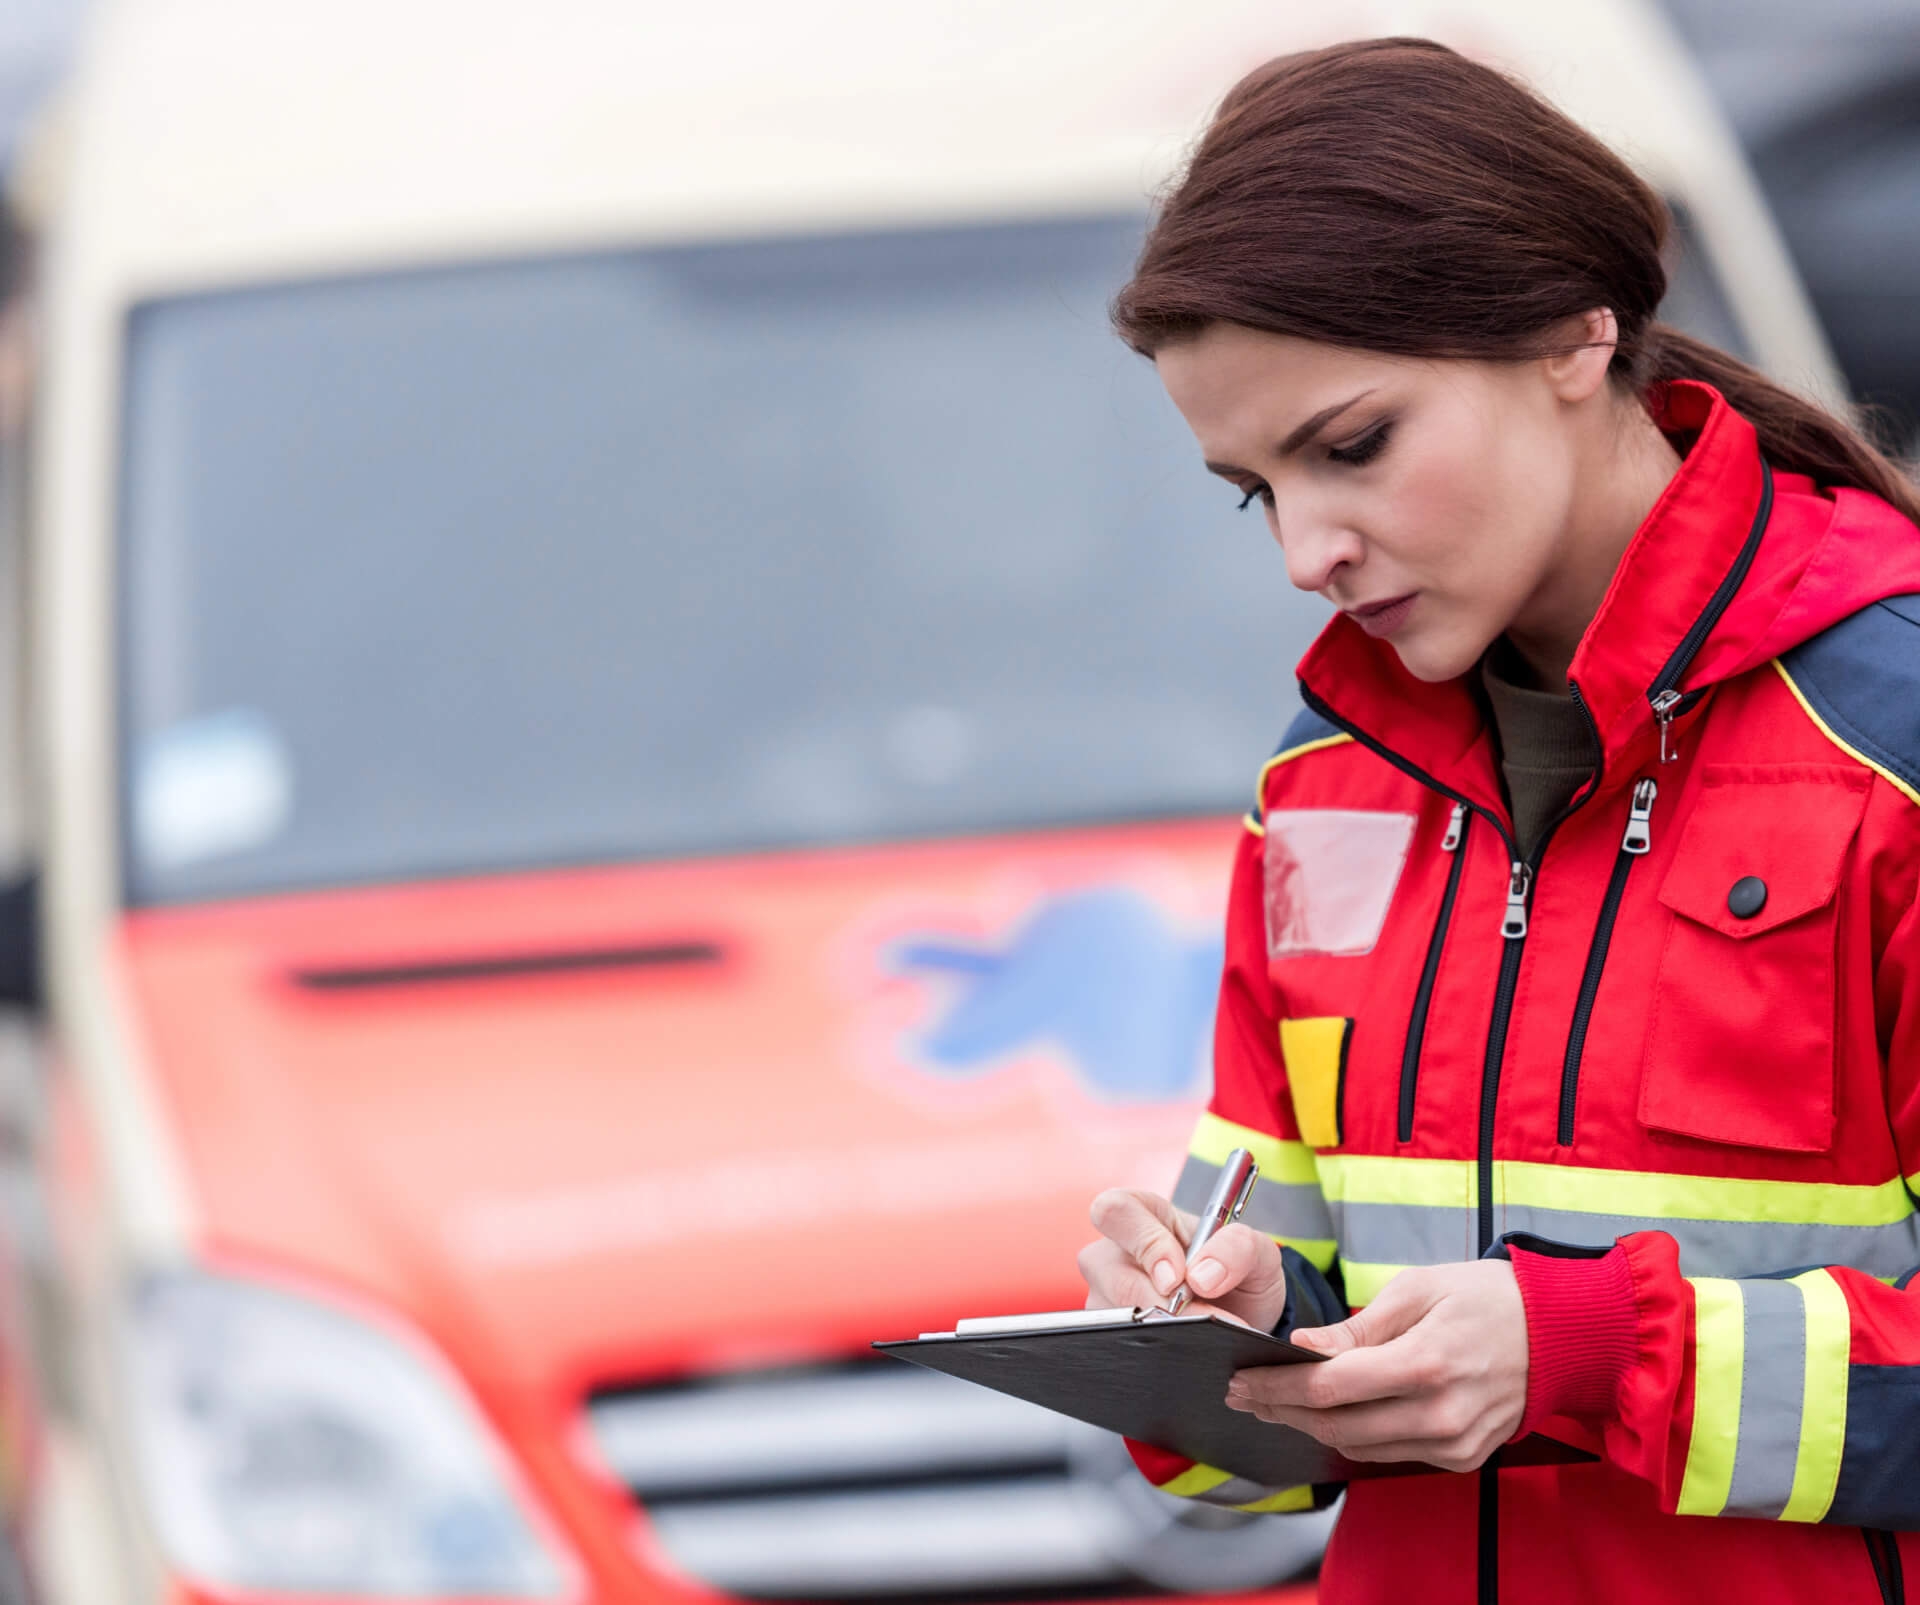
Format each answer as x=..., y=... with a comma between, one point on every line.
x=1663, y=710
x=1639, y=836
x=1456, y=828
x=1519, y=883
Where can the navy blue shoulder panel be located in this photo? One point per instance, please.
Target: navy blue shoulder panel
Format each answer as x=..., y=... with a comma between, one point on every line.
x=1307, y=726
x=1862, y=677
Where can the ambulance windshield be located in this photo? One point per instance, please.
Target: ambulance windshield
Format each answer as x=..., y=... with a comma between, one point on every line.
x=679, y=551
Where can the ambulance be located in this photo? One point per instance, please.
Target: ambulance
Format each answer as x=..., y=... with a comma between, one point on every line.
x=637, y=718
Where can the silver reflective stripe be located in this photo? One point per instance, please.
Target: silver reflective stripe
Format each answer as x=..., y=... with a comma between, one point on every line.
x=1736, y=1248
x=1280, y=1209
x=1772, y=1381
x=1382, y=1236
x=1404, y=1234
x=1432, y=1234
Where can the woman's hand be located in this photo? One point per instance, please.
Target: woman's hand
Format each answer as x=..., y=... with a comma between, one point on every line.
x=1140, y=1258
x=1434, y=1369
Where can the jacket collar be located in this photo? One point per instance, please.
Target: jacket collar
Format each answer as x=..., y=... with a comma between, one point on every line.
x=1688, y=549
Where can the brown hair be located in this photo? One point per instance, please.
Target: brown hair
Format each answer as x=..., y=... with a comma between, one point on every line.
x=1391, y=195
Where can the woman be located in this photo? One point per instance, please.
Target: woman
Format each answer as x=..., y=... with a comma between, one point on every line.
x=1572, y=1002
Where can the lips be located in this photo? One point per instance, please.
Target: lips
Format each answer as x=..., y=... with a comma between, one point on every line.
x=1383, y=617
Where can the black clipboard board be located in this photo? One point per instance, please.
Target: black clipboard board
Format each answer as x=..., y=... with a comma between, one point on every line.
x=1164, y=1381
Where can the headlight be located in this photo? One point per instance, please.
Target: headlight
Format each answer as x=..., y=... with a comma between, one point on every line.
x=290, y=1446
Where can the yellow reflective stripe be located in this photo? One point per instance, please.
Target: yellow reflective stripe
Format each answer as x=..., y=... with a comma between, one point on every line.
x=1855, y=753
x=1386, y=1179
x=1279, y=1158
x=1253, y=820
x=1719, y=1344
x=1320, y=1253
x=1665, y=1196
x=1823, y=1409
x=1650, y=1195
x=1287, y=1499
x=1195, y=1480
x=1364, y=1281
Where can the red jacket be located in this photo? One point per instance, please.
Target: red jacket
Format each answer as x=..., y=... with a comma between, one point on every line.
x=1672, y=1063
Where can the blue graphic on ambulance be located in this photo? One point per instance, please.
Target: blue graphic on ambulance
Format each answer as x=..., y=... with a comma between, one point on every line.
x=1100, y=976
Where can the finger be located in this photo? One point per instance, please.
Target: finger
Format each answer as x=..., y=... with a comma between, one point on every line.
x=1144, y=1226
x=1443, y=1419
x=1399, y=1369
x=1400, y=1305
x=1443, y=1455
x=1460, y=1453
x=1113, y=1280
x=1237, y=1257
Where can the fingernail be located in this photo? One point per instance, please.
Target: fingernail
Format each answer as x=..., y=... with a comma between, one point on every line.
x=1206, y=1274
x=1166, y=1276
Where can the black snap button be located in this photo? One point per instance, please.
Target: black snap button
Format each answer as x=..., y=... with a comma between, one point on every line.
x=1748, y=897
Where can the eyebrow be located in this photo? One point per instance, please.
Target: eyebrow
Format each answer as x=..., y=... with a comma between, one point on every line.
x=1300, y=436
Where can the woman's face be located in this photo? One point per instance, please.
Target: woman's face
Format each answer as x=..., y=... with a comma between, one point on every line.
x=1429, y=500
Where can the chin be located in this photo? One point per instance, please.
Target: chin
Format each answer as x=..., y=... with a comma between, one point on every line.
x=1436, y=661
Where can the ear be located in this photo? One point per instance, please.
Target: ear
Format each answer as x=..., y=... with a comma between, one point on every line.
x=1577, y=366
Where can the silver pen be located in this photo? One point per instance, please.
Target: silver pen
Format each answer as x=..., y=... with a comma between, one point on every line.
x=1224, y=1203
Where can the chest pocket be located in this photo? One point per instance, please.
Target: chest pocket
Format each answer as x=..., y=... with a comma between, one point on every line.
x=1740, y=1040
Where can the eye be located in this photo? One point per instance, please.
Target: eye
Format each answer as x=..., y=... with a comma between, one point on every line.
x=1259, y=493
x=1363, y=450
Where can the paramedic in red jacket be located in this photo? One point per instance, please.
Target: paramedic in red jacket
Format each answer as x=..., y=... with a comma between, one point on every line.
x=1572, y=998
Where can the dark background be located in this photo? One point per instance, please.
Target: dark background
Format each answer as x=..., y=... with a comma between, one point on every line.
x=1826, y=99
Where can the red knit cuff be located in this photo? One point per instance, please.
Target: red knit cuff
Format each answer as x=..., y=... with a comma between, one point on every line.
x=1582, y=1333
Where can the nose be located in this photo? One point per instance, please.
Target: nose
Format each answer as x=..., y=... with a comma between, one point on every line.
x=1316, y=546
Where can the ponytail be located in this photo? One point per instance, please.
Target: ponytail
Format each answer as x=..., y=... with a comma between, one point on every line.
x=1795, y=434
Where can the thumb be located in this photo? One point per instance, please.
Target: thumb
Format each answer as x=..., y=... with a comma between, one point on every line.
x=1400, y=1305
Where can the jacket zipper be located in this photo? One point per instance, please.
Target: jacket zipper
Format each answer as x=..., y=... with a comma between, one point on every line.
x=1883, y=1549
x=1664, y=696
x=1513, y=925
x=1637, y=841
x=1454, y=842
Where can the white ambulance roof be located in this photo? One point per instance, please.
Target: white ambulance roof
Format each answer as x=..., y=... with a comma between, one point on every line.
x=223, y=141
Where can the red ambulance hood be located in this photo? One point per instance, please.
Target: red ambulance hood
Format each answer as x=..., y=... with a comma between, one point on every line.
x=603, y=1125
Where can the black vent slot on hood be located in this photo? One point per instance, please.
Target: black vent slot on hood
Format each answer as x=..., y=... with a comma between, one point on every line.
x=498, y=966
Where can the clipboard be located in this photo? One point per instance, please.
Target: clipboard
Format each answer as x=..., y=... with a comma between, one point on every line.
x=1162, y=1380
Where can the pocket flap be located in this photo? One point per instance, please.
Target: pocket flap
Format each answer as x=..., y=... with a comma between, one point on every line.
x=1787, y=825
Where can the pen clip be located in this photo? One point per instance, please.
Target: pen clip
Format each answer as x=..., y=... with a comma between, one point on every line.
x=1244, y=1193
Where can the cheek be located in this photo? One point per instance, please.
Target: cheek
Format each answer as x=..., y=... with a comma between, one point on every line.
x=1480, y=498
x=1447, y=524
x=1461, y=528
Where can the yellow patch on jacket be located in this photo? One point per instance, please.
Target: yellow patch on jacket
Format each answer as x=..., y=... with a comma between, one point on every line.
x=1316, y=1055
